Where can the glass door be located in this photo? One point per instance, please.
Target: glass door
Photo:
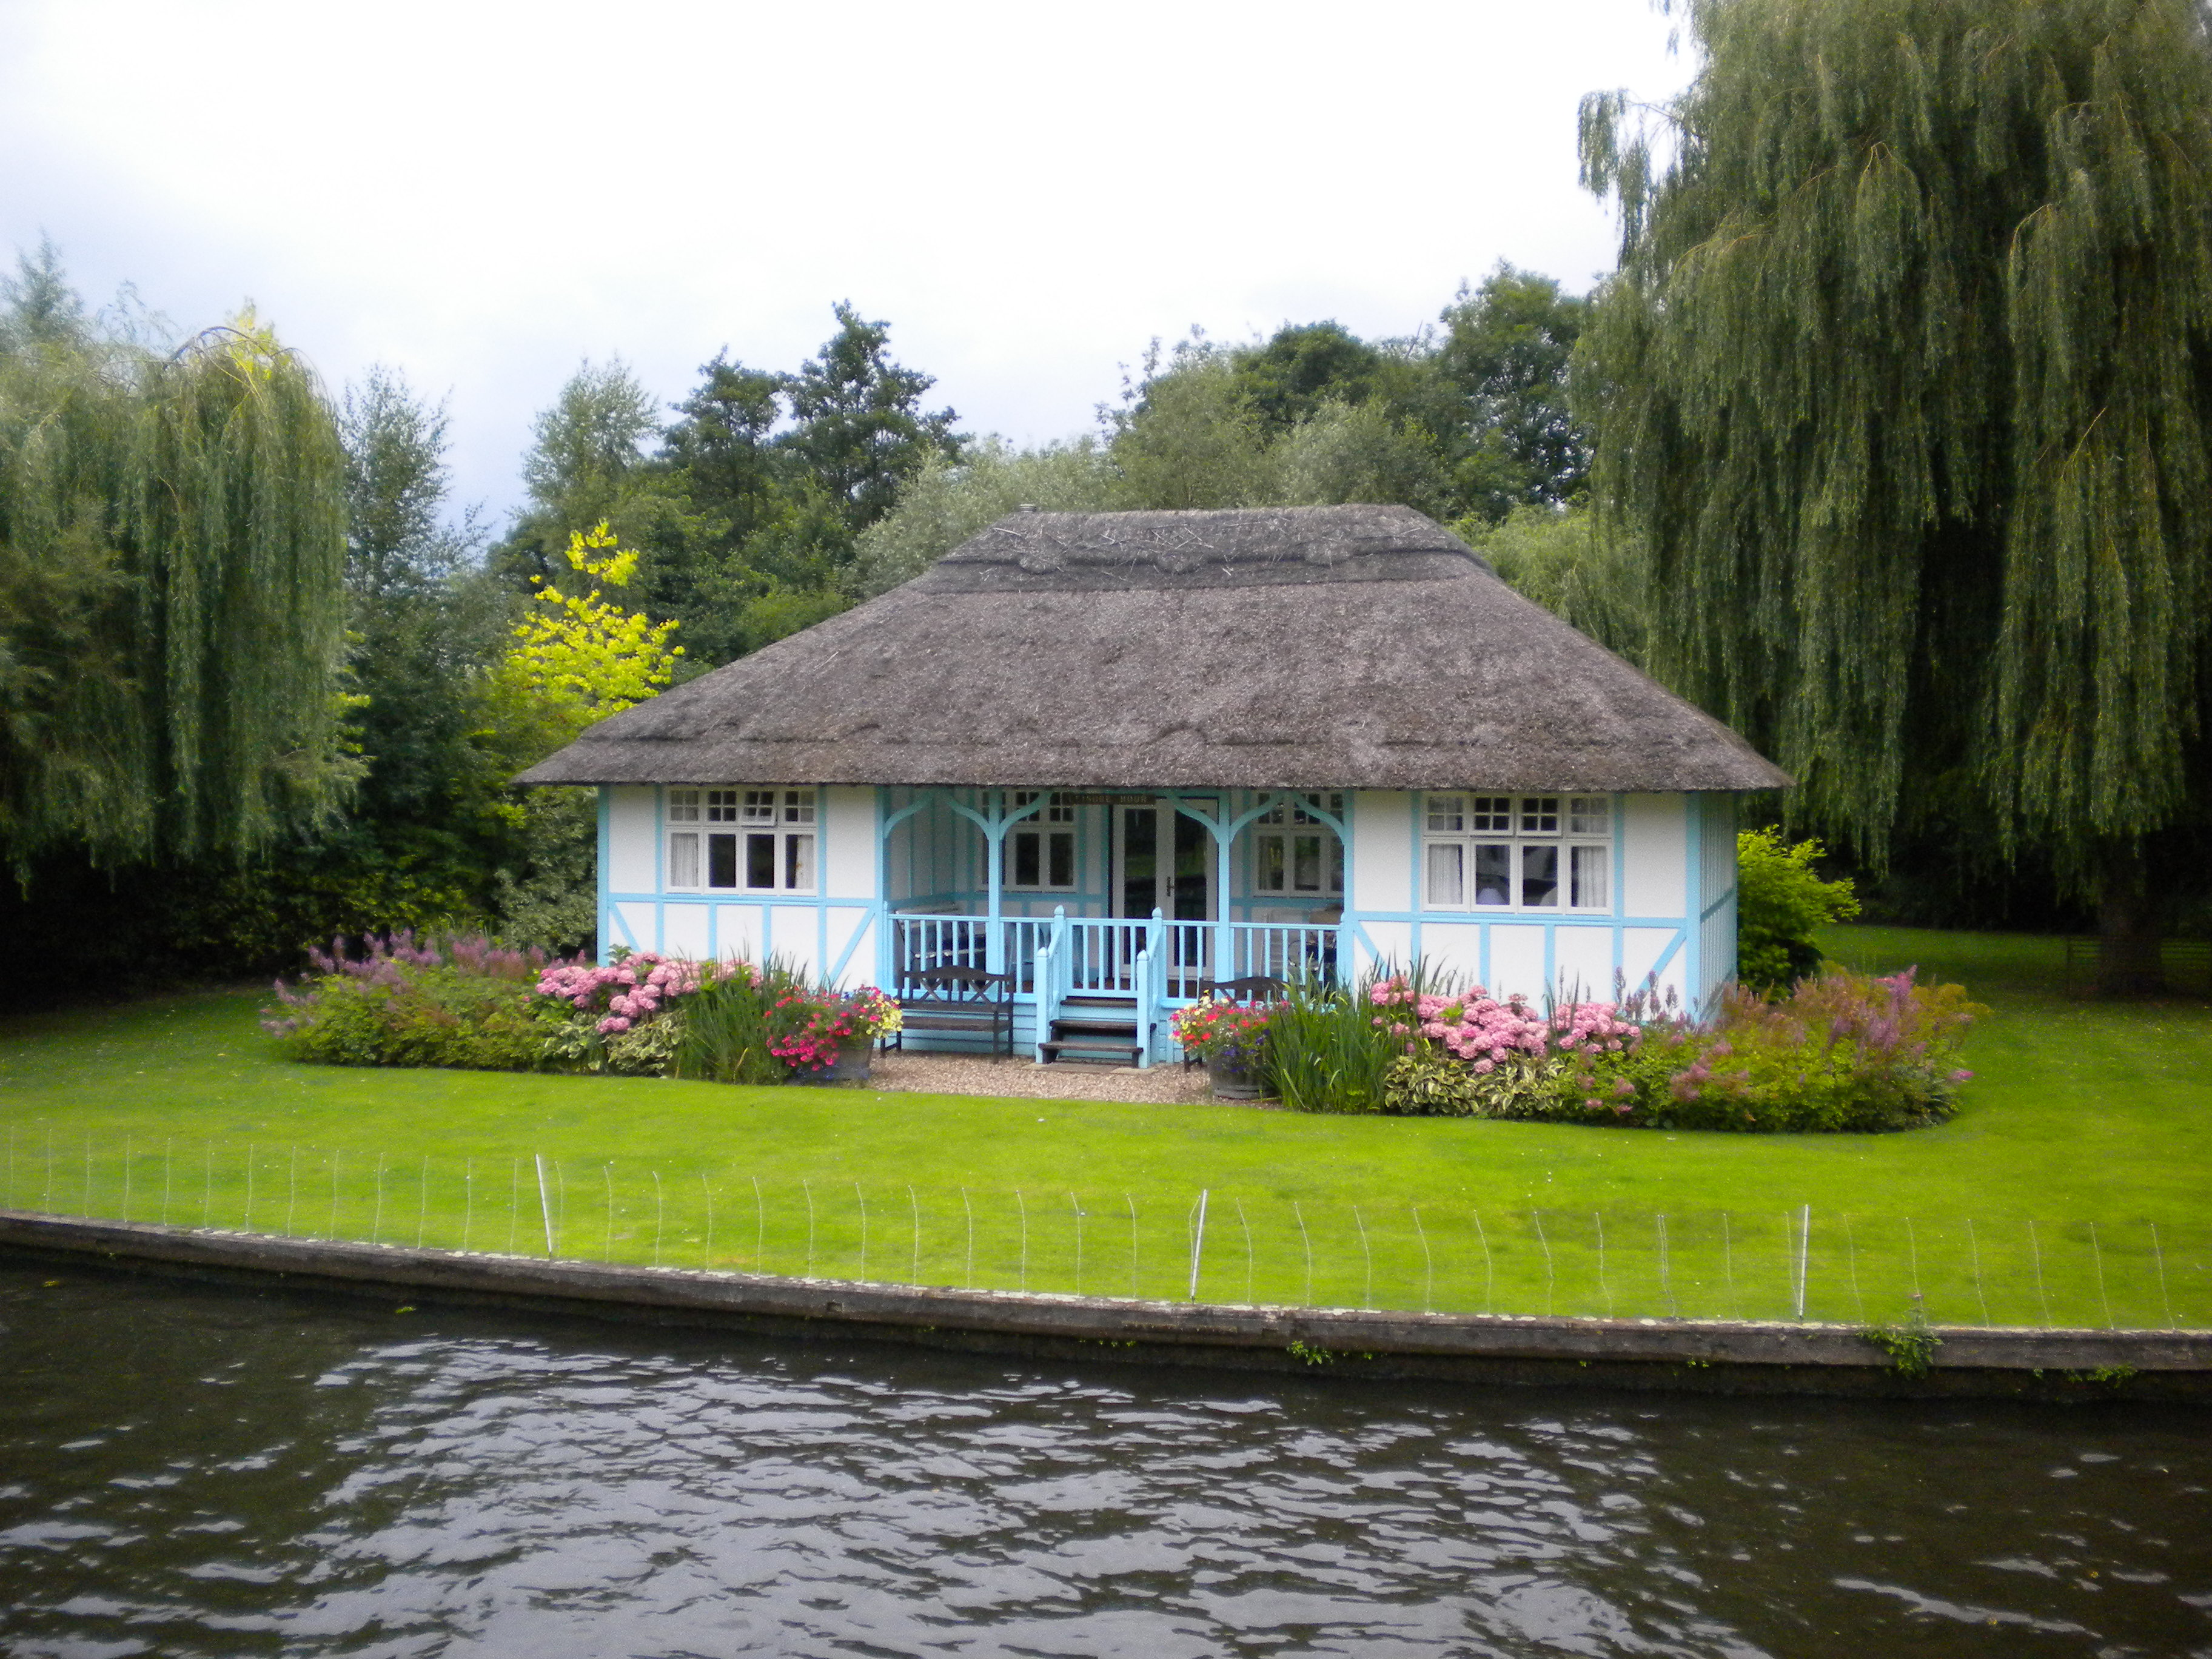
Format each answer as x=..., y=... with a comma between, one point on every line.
x=1163, y=860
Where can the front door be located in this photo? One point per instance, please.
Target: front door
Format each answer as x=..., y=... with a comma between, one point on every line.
x=1163, y=860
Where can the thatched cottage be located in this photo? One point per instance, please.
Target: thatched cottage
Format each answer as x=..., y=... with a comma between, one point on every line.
x=1114, y=756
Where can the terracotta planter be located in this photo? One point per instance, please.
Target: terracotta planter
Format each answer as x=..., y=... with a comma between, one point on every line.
x=1231, y=1078
x=852, y=1064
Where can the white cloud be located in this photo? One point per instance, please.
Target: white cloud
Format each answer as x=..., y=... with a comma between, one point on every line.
x=484, y=194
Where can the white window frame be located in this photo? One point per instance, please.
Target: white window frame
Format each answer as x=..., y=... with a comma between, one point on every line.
x=1504, y=851
x=774, y=832
x=1051, y=832
x=1275, y=837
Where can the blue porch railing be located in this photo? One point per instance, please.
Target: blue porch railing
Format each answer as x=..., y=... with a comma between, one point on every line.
x=1154, y=964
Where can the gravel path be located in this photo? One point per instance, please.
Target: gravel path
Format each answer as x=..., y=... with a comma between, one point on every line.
x=959, y=1075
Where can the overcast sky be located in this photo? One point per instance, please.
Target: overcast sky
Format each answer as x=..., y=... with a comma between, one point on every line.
x=485, y=195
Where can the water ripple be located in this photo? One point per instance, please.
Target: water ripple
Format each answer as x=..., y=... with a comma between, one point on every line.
x=260, y=1475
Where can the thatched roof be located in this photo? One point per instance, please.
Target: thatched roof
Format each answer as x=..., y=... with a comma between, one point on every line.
x=1320, y=647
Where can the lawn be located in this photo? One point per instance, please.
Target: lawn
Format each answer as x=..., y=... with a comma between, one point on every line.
x=2069, y=1190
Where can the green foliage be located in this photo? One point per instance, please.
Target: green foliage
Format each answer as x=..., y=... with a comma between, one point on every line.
x=545, y=891
x=171, y=557
x=1324, y=1052
x=730, y=1024
x=1346, y=451
x=1903, y=380
x=1780, y=902
x=858, y=427
x=1910, y=1346
x=1187, y=437
x=1505, y=353
x=1584, y=572
x=585, y=465
x=434, y=1017
x=1431, y=1085
x=745, y=520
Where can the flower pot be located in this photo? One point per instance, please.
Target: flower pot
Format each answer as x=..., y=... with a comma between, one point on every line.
x=854, y=1056
x=1231, y=1077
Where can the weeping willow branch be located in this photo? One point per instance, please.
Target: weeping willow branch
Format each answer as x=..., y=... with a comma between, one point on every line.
x=171, y=542
x=1905, y=380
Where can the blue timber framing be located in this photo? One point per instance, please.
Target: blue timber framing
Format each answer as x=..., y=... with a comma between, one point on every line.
x=866, y=929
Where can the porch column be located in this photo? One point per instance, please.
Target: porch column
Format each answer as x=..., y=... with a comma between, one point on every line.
x=994, y=820
x=1224, y=830
x=995, y=940
x=890, y=960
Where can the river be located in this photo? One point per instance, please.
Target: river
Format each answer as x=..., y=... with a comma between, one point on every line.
x=189, y=1471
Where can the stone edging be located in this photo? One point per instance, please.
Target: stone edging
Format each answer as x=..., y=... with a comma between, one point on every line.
x=1705, y=1357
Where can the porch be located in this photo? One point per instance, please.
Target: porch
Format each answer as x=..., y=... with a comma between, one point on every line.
x=1108, y=910
x=1105, y=969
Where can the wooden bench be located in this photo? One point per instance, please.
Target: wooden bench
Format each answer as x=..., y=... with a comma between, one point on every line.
x=958, y=1001
x=2187, y=963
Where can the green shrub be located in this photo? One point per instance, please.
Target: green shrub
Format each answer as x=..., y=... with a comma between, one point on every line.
x=732, y=1024
x=1431, y=1085
x=1324, y=1052
x=1780, y=899
x=1842, y=1052
x=430, y=1015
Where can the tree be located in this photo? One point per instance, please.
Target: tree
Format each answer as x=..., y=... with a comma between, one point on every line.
x=1186, y=437
x=426, y=621
x=171, y=556
x=1504, y=354
x=574, y=659
x=858, y=425
x=586, y=456
x=1302, y=366
x=1906, y=380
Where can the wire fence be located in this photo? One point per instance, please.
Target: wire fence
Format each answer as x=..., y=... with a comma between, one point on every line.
x=1223, y=1246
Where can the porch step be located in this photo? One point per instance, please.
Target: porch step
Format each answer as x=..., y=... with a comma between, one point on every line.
x=1094, y=1028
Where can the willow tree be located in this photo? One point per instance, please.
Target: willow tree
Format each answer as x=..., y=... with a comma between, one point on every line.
x=172, y=557
x=1905, y=380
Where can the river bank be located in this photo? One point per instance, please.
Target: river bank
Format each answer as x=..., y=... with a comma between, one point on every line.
x=1710, y=1357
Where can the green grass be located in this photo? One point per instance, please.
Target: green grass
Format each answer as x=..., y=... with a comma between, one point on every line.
x=2069, y=1190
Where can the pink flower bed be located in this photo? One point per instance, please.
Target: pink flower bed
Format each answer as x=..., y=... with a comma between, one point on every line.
x=630, y=990
x=1475, y=1027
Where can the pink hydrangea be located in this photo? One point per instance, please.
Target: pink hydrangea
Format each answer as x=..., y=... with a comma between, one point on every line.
x=627, y=991
x=1477, y=1027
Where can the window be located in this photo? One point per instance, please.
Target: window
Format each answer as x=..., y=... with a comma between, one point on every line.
x=742, y=839
x=1040, y=854
x=1293, y=851
x=1518, y=852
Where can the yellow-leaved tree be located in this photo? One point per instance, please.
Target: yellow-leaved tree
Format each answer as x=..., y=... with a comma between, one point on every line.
x=577, y=659
x=580, y=658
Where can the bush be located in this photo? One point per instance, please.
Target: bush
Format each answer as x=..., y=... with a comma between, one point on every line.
x=469, y=1003
x=461, y=1002
x=1842, y=1052
x=1779, y=900
x=1324, y=1052
x=731, y=1025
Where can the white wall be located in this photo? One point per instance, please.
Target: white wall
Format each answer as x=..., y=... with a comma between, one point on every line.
x=1655, y=851
x=633, y=847
x=1582, y=963
x=683, y=929
x=1379, y=863
x=848, y=842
